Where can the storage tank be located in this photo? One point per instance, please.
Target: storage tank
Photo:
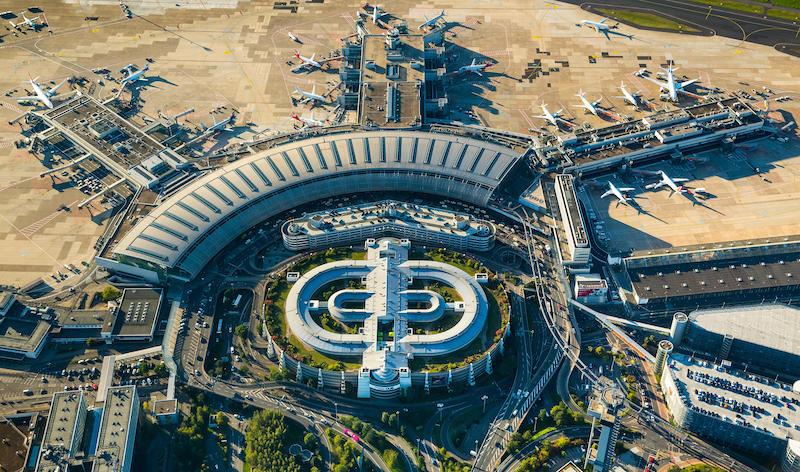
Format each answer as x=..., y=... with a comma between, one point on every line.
x=678, y=328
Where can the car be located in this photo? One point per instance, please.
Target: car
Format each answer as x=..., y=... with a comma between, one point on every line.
x=28, y=392
x=43, y=391
x=197, y=372
x=44, y=379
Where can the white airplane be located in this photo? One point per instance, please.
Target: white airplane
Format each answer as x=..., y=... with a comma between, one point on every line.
x=311, y=96
x=430, y=22
x=669, y=182
x=376, y=14
x=309, y=122
x=131, y=76
x=620, y=193
x=671, y=86
x=31, y=23
x=306, y=62
x=552, y=118
x=475, y=67
x=602, y=27
x=40, y=94
x=590, y=107
x=631, y=98
x=294, y=38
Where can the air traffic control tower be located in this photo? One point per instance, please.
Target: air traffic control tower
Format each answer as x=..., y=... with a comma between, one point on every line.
x=607, y=398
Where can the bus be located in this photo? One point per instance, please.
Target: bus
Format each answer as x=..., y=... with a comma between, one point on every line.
x=219, y=327
x=236, y=302
x=352, y=435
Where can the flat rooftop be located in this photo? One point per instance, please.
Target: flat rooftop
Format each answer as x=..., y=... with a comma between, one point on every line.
x=165, y=407
x=58, y=435
x=111, y=134
x=19, y=334
x=731, y=395
x=137, y=312
x=117, y=423
x=712, y=276
x=392, y=81
x=15, y=442
x=408, y=214
x=772, y=326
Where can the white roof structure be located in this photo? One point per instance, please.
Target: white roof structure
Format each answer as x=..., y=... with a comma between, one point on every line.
x=192, y=225
x=386, y=272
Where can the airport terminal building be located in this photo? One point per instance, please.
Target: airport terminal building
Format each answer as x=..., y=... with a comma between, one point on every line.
x=179, y=236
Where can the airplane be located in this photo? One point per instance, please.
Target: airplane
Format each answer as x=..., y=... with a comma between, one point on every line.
x=306, y=62
x=294, y=38
x=41, y=95
x=552, y=118
x=669, y=182
x=308, y=122
x=671, y=86
x=591, y=107
x=602, y=27
x=475, y=67
x=620, y=193
x=31, y=23
x=631, y=98
x=432, y=21
x=132, y=76
x=376, y=15
x=311, y=96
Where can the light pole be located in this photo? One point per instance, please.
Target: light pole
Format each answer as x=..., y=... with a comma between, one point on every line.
x=484, y=398
x=398, y=420
x=440, y=406
x=336, y=410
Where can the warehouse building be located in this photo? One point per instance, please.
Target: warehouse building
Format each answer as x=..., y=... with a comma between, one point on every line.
x=419, y=223
x=741, y=270
x=734, y=408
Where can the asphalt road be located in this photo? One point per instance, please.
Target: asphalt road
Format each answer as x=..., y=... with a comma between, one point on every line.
x=736, y=25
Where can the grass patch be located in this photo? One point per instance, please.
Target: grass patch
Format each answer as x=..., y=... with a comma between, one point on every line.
x=542, y=432
x=330, y=255
x=646, y=20
x=784, y=14
x=787, y=3
x=495, y=322
x=733, y=5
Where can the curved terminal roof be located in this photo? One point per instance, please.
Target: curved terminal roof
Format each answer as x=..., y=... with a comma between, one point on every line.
x=773, y=326
x=195, y=223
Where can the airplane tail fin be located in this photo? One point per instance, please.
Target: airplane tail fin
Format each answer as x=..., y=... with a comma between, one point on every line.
x=603, y=20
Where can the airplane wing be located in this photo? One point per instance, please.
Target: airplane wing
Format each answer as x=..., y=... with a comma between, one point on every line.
x=597, y=102
x=680, y=180
x=654, y=186
x=478, y=72
x=661, y=84
x=626, y=189
x=608, y=37
x=687, y=82
x=53, y=90
x=606, y=194
x=28, y=98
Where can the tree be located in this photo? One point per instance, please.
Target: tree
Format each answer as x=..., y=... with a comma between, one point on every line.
x=385, y=418
x=267, y=444
x=221, y=419
x=241, y=331
x=310, y=441
x=110, y=293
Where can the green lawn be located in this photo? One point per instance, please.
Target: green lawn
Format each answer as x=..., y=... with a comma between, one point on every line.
x=733, y=5
x=784, y=14
x=645, y=19
x=787, y=3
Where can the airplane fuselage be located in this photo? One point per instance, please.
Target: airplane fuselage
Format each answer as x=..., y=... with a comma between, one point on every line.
x=40, y=94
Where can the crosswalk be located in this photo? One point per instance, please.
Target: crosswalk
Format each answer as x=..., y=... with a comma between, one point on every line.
x=34, y=227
